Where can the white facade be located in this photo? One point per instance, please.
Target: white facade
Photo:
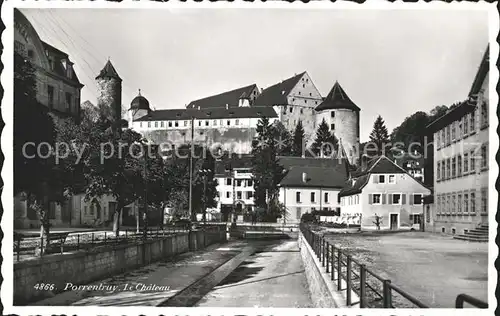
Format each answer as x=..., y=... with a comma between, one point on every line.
x=219, y=124
x=241, y=183
x=299, y=201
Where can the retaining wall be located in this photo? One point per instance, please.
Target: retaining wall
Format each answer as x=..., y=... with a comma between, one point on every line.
x=83, y=267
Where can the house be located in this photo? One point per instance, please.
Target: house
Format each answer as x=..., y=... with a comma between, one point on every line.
x=382, y=188
x=311, y=184
x=411, y=162
x=461, y=166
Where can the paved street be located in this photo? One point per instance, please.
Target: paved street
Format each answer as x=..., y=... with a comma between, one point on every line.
x=272, y=277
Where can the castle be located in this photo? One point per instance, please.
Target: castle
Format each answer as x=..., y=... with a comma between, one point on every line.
x=229, y=120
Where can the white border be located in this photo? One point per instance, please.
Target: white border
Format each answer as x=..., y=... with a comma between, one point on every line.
x=7, y=141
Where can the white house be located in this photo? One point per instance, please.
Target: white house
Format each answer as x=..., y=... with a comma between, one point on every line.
x=382, y=188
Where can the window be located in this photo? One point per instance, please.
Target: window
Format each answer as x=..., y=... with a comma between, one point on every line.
x=453, y=231
x=332, y=113
x=392, y=179
x=448, y=136
x=176, y=123
x=215, y=122
x=149, y=124
x=466, y=203
x=249, y=195
x=326, y=197
x=447, y=169
x=297, y=197
x=156, y=123
x=238, y=183
x=313, y=197
x=169, y=123
x=162, y=123
x=443, y=230
x=237, y=122
x=250, y=183
x=228, y=181
x=396, y=199
x=473, y=202
x=466, y=163
x=417, y=199
x=377, y=199
x=68, y=101
x=484, y=115
x=472, y=121
x=459, y=135
x=207, y=123
x=228, y=194
x=453, y=136
x=438, y=139
x=438, y=204
x=50, y=93
x=185, y=123
x=459, y=166
x=332, y=127
x=453, y=167
x=443, y=138
x=303, y=85
x=291, y=109
x=466, y=126
x=472, y=161
x=238, y=195
x=448, y=203
x=484, y=201
x=140, y=124
x=438, y=176
x=484, y=157
x=443, y=170
x=459, y=204
x=381, y=179
x=228, y=122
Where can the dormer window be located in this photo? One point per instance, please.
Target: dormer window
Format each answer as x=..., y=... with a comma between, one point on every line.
x=209, y=113
x=231, y=113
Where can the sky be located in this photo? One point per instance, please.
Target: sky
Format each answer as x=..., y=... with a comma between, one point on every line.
x=390, y=63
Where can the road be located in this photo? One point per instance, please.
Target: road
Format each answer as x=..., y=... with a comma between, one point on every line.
x=272, y=277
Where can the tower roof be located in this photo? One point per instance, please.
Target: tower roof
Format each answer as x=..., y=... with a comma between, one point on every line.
x=108, y=72
x=139, y=103
x=337, y=99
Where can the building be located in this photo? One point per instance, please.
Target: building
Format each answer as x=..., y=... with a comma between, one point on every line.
x=381, y=188
x=311, y=184
x=233, y=98
x=461, y=149
x=413, y=163
x=234, y=185
x=58, y=86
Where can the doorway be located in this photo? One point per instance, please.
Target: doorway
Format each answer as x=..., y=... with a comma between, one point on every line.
x=394, y=221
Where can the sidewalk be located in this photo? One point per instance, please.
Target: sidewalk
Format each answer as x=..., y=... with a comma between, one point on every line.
x=150, y=285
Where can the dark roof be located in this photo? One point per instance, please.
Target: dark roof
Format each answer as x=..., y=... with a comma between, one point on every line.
x=288, y=162
x=316, y=177
x=223, y=166
x=277, y=94
x=58, y=65
x=467, y=106
x=220, y=100
x=213, y=113
x=139, y=103
x=354, y=186
x=108, y=72
x=337, y=99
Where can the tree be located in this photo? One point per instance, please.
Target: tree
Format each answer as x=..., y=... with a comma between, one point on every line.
x=283, y=139
x=379, y=136
x=266, y=170
x=325, y=144
x=298, y=139
x=35, y=174
x=378, y=221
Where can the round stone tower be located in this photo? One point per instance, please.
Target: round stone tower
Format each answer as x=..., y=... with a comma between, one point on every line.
x=109, y=89
x=342, y=116
x=139, y=107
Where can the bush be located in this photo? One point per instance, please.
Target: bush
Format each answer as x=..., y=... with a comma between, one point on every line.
x=341, y=225
x=308, y=218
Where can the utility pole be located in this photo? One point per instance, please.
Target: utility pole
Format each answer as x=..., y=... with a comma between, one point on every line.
x=191, y=171
x=145, y=214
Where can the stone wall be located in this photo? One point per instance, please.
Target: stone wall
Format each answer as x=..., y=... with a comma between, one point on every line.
x=83, y=267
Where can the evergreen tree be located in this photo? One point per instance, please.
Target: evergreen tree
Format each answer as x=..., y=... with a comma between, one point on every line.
x=266, y=170
x=283, y=139
x=379, y=137
x=325, y=144
x=298, y=139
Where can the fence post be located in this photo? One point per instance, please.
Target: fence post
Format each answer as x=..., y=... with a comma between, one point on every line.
x=362, y=284
x=41, y=246
x=18, y=248
x=323, y=251
x=348, y=280
x=327, y=255
x=387, y=294
x=78, y=241
x=339, y=270
x=332, y=261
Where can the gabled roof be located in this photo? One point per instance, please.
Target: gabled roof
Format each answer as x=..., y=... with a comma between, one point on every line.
x=212, y=113
x=318, y=177
x=108, y=72
x=337, y=99
x=277, y=94
x=288, y=162
x=58, y=66
x=220, y=100
x=378, y=165
x=235, y=161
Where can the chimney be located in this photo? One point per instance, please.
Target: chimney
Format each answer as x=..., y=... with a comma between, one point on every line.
x=304, y=177
x=364, y=163
x=227, y=106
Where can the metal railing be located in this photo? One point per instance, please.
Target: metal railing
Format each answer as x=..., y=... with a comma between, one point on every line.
x=354, y=277
x=26, y=247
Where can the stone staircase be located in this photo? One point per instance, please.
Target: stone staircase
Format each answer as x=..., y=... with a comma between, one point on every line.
x=479, y=234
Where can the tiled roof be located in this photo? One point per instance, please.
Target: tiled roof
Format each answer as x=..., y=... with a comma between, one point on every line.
x=288, y=162
x=108, y=72
x=213, y=113
x=58, y=66
x=220, y=100
x=319, y=177
x=236, y=161
x=354, y=186
x=277, y=94
x=337, y=99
